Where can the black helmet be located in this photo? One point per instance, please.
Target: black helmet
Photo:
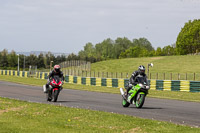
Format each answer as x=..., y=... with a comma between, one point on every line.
x=141, y=69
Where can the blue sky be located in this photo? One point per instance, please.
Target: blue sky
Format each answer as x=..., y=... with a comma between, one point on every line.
x=67, y=25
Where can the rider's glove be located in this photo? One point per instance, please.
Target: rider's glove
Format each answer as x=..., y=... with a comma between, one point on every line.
x=130, y=85
x=60, y=84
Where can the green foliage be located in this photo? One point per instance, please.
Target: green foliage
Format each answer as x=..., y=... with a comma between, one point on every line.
x=4, y=58
x=188, y=40
x=10, y=60
x=120, y=48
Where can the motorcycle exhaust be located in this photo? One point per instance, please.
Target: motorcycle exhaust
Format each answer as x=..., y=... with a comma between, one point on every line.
x=121, y=91
x=44, y=88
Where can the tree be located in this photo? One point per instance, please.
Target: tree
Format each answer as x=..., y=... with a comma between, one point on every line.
x=89, y=49
x=158, y=51
x=121, y=45
x=107, y=49
x=12, y=59
x=49, y=57
x=40, y=61
x=31, y=60
x=143, y=42
x=188, y=40
x=98, y=51
x=168, y=50
x=4, y=58
x=72, y=56
x=136, y=51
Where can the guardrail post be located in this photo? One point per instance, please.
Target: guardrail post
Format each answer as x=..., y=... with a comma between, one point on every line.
x=164, y=76
x=178, y=76
x=171, y=75
x=194, y=76
x=186, y=76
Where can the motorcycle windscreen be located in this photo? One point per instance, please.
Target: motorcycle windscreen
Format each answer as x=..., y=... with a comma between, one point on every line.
x=141, y=80
x=56, y=79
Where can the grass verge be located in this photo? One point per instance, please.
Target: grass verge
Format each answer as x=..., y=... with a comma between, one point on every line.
x=186, y=96
x=20, y=116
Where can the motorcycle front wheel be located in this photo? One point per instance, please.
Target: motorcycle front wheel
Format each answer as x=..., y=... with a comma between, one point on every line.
x=55, y=95
x=140, y=100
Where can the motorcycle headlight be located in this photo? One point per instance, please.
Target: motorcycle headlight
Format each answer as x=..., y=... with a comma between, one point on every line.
x=147, y=87
x=141, y=85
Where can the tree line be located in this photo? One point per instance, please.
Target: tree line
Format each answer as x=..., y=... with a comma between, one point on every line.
x=121, y=48
x=42, y=61
x=188, y=42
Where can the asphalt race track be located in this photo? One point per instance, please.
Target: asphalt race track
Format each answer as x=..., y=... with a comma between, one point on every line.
x=180, y=112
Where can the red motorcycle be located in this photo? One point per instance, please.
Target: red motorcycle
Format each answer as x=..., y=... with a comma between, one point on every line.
x=54, y=89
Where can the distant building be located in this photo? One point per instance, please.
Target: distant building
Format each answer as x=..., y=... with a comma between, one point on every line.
x=37, y=53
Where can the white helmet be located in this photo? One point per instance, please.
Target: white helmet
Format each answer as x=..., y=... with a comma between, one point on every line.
x=141, y=69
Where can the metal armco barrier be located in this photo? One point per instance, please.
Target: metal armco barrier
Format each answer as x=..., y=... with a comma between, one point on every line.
x=165, y=85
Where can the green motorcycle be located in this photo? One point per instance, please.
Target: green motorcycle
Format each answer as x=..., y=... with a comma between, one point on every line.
x=137, y=94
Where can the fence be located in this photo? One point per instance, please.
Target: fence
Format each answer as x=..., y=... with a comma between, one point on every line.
x=157, y=76
x=76, y=64
x=170, y=85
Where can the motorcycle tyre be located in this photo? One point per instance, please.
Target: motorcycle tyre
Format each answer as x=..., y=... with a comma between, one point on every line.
x=125, y=103
x=48, y=96
x=55, y=95
x=140, y=100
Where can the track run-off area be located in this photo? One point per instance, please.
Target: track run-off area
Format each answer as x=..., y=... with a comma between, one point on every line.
x=180, y=112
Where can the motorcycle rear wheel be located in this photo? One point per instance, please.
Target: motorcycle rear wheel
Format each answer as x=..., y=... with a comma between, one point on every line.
x=48, y=96
x=125, y=103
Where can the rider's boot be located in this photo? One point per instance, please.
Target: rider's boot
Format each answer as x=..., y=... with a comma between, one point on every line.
x=126, y=95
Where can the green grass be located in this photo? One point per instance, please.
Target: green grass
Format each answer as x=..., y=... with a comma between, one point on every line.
x=25, y=117
x=162, y=64
x=174, y=64
x=186, y=96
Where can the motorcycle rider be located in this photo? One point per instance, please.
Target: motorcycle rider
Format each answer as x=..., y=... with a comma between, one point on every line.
x=55, y=72
x=132, y=81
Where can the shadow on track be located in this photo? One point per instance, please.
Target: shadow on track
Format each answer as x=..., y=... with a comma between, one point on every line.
x=148, y=108
x=65, y=101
